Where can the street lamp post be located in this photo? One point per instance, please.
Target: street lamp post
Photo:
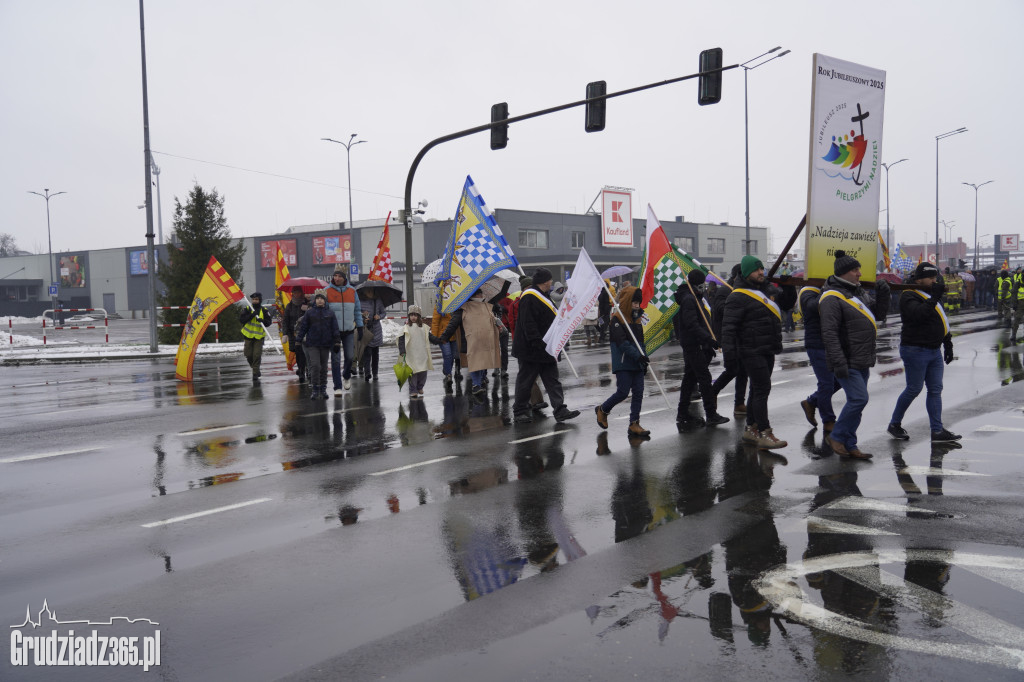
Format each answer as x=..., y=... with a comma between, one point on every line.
x=49, y=243
x=889, y=238
x=746, y=133
x=943, y=136
x=348, y=162
x=976, y=188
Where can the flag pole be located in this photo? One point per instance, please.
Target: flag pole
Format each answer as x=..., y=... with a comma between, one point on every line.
x=702, y=315
x=616, y=309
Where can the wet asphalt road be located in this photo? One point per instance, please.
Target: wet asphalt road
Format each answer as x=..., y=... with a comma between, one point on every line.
x=370, y=536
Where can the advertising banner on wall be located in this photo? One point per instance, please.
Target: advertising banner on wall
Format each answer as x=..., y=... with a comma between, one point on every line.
x=336, y=249
x=72, y=272
x=847, y=107
x=138, y=262
x=1008, y=242
x=268, y=253
x=616, y=218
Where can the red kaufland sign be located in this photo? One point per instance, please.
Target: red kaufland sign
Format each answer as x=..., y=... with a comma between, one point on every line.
x=616, y=218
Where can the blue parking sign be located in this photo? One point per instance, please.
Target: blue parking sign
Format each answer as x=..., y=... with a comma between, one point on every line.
x=353, y=269
x=53, y=290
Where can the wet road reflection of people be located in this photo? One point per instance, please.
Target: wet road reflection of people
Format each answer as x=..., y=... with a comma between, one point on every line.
x=539, y=500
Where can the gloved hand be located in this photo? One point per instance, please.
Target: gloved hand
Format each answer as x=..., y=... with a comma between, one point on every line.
x=947, y=351
x=359, y=333
x=644, y=362
x=716, y=345
x=784, y=278
x=842, y=372
x=436, y=340
x=938, y=288
x=882, y=288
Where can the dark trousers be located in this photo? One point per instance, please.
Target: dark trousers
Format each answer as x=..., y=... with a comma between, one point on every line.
x=740, y=374
x=627, y=382
x=252, y=349
x=696, y=373
x=300, y=358
x=371, y=359
x=503, y=345
x=318, y=358
x=827, y=384
x=759, y=372
x=528, y=374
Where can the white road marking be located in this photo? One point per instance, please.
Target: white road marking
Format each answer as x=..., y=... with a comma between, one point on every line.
x=994, y=428
x=186, y=517
x=644, y=413
x=211, y=429
x=856, y=503
x=412, y=466
x=932, y=471
x=538, y=437
x=44, y=455
x=820, y=525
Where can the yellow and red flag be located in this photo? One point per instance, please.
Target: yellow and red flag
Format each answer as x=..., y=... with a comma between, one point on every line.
x=217, y=290
x=282, y=298
x=885, y=251
x=381, y=269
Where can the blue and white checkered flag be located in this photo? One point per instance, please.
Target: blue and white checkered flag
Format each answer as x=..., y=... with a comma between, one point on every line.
x=902, y=262
x=475, y=251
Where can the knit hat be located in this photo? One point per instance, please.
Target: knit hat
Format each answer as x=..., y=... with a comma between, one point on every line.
x=416, y=310
x=844, y=263
x=749, y=264
x=541, y=275
x=525, y=282
x=319, y=293
x=696, y=277
x=256, y=294
x=925, y=269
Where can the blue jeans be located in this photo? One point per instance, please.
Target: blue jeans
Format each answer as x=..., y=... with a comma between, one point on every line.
x=827, y=385
x=448, y=352
x=856, y=387
x=346, y=348
x=477, y=377
x=627, y=382
x=922, y=366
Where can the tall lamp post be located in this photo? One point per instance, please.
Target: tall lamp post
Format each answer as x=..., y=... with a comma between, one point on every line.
x=943, y=136
x=888, y=235
x=49, y=242
x=348, y=162
x=976, y=188
x=746, y=132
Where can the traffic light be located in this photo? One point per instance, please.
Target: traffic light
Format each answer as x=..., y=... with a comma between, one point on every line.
x=709, y=86
x=499, y=134
x=594, y=120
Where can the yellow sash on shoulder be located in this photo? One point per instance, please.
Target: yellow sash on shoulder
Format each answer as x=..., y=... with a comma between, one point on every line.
x=541, y=297
x=938, y=307
x=857, y=304
x=758, y=296
x=800, y=295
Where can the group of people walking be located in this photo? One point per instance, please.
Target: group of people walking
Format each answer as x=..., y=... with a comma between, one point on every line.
x=741, y=318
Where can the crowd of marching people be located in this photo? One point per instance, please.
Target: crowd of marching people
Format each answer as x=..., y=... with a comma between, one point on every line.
x=742, y=318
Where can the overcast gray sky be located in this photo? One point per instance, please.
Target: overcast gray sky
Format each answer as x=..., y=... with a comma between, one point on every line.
x=255, y=84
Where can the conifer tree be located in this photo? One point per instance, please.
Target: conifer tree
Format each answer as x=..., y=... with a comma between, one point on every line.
x=200, y=231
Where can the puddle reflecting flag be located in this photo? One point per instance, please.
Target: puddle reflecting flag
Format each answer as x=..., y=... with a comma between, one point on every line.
x=381, y=269
x=662, y=271
x=283, y=298
x=217, y=290
x=580, y=296
x=475, y=251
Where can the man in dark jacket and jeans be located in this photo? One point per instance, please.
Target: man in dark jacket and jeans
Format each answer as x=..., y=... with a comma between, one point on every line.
x=733, y=372
x=821, y=399
x=848, y=330
x=535, y=315
x=751, y=338
x=925, y=331
x=693, y=329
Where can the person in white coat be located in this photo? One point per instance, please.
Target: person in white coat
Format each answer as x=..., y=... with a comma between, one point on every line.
x=414, y=347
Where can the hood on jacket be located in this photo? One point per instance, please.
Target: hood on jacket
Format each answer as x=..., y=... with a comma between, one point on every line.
x=625, y=301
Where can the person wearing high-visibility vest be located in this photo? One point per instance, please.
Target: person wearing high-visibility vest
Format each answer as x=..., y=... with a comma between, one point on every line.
x=954, y=292
x=1004, y=286
x=254, y=321
x=1017, y=304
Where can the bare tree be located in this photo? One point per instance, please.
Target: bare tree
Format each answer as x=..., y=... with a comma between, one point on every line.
x=8, y=247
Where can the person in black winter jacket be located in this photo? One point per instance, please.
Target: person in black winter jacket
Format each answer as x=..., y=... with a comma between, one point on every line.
x=692, y=324
x=293, y=312
x=821, y=399
x=751, y=338
x=318, y=333
x=536, y=313
x=736, y=371
x=925, y=331
x=848, y=330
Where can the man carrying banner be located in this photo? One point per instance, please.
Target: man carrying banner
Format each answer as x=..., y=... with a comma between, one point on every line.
x=693, y=330
x=536, y=313
x=751, y=338
x=254, y=321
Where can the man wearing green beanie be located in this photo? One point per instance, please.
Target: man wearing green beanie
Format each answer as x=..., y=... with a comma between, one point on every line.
x=751, y=338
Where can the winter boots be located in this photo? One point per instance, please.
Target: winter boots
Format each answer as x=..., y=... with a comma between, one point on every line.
x=602, y=417
x=637, y=431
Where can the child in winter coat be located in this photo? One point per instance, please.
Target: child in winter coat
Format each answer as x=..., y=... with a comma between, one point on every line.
x=317, y=333
x=414, y=347
x=629, y=363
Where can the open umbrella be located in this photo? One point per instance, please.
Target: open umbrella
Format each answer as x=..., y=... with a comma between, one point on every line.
x=386, y=292
x=616, y=271
x=308, y=284
x=430, y=271
x=495, y=289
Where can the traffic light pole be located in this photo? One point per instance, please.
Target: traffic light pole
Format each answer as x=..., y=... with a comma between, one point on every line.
x=409, y=285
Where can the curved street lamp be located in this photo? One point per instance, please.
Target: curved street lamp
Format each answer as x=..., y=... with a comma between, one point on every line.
x=976, y=188
x=348, y=162
x=746, y=131
x=943, y=136
x=888, y=235
x=49, y=241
